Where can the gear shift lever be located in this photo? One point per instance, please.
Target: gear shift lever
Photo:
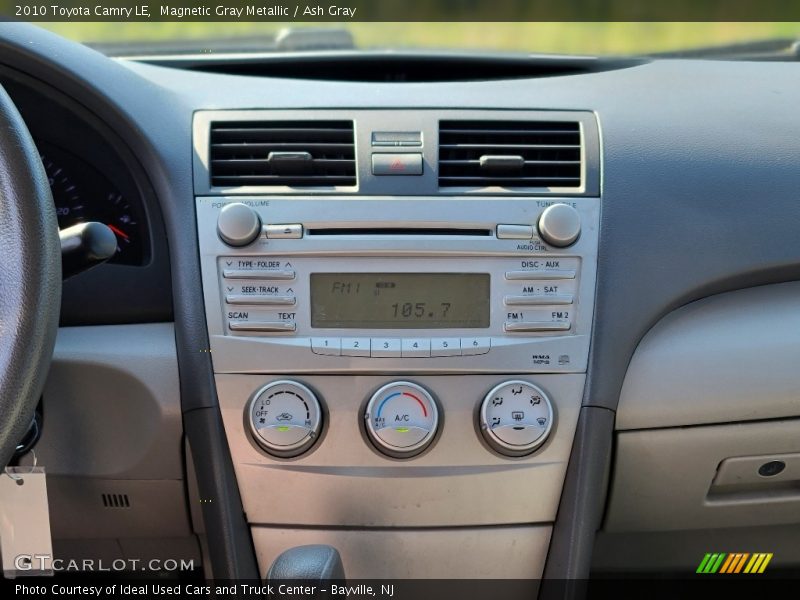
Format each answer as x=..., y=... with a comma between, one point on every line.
x=318, y=563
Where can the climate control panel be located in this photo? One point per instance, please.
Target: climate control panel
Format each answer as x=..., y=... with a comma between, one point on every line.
x=401, y=418
x=364, y=469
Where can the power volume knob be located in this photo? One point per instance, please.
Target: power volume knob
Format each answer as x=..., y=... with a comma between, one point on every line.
x=559, y=225
x=238, y=224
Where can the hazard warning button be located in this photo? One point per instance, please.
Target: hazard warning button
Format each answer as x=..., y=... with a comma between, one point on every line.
x=406, y=163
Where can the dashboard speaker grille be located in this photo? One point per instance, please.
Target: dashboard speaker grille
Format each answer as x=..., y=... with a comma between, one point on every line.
x=282, y=153
x=510, y=154
x=116, y=501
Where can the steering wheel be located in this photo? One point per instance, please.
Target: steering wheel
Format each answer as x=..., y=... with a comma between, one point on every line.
x=30, y=278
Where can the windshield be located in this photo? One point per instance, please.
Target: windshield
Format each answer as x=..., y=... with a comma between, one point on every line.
x=596, y=38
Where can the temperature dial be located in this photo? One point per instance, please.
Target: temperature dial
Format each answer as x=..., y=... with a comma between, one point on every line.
x=515, y=418
x=285, y=418
x=401, y=419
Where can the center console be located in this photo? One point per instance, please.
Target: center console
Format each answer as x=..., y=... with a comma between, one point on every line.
x=399, y=305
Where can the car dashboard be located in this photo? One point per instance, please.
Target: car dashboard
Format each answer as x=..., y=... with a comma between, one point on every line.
x=456, y=326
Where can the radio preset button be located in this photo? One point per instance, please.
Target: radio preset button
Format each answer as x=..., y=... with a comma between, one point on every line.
x=267, y=274
x=289, y=231
x=326, y=346
x=355, y=346
x=514, y=232
x=260, y=300
x=263, y=326
x=475, y=346
x=533, y=326
x=386, y=348
x=538, y=300
x=446, y=347
x=416, y=348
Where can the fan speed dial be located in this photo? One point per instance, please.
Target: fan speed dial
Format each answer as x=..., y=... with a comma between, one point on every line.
x=285, y=418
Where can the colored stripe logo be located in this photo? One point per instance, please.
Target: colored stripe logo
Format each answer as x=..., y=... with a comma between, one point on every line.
x=734, y=563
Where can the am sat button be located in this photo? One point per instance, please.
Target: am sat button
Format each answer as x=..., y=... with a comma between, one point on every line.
x=407, y=163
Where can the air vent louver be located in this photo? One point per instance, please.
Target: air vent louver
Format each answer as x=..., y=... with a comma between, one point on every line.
x=510, y=154
x=282, y=153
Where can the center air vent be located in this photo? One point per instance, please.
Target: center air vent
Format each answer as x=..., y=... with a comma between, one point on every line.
x=536, y=155
x=282, y=153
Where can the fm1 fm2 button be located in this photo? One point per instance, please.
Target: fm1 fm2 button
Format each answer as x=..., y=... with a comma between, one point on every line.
x=516, y=418
x=285, y=418
x=401, y=419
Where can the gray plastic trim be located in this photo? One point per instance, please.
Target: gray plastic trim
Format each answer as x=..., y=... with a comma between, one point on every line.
x=663, y=478
x=580, y=510
x=460, y=553
x=111, y=404
x=345, y=482
x=727, y=358
x=112, y=427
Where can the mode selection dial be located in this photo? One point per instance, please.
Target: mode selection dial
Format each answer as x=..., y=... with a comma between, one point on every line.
x=516, y=418
x=285, y=418
x=401, y=419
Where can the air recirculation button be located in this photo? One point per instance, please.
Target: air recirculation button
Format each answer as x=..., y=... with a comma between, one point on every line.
x=285, y=418
x=516, y=418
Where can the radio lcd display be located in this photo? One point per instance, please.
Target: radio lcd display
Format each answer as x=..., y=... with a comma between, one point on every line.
x=400, y=300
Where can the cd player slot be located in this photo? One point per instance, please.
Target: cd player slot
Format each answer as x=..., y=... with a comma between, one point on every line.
x=402, y=231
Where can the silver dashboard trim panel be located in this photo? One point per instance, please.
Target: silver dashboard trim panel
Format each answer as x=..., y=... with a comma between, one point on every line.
x=367, y=121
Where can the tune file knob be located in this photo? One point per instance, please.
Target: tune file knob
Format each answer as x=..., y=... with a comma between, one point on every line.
x=559, y=225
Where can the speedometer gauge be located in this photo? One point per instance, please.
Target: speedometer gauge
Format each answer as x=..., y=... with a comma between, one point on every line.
x=82, y=194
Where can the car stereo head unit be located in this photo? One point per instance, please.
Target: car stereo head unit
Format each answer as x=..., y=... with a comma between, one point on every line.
x=309, y=284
